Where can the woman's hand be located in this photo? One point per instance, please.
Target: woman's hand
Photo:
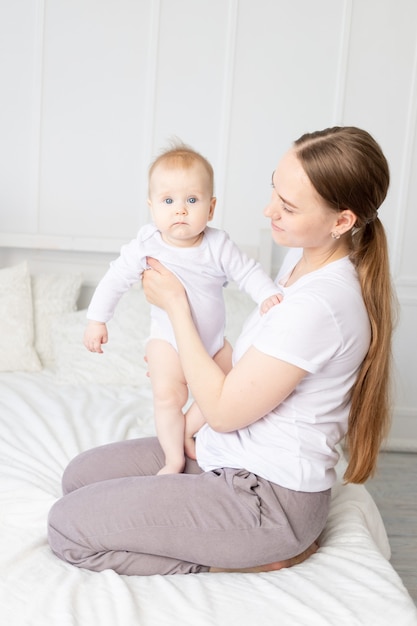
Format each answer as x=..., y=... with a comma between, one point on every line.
x=161, y=287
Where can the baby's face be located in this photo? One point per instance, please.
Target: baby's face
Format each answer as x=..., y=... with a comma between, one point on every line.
x=181, y=203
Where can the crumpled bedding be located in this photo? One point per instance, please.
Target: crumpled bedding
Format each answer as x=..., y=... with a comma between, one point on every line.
x=349, y=581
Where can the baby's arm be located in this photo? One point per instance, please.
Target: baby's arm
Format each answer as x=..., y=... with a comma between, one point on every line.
x=271, y=302
x=95, y=336
x=249, y=276
x=122, y=274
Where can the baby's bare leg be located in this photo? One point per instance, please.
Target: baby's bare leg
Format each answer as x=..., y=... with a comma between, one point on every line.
x=194, y=419
x=170, y=394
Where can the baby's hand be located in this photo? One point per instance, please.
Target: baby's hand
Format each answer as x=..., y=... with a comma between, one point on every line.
x=270, y=302
x=95, y=335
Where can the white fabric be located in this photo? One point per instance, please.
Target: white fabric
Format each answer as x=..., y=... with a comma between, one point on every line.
x=53, y=295
x=321, y=326
x=348, y=582
x=28, y=307
x=17, y=350
x=204, y=270
x=122, y=361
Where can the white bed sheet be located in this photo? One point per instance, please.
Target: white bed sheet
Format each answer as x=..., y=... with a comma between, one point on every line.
x=349, y=581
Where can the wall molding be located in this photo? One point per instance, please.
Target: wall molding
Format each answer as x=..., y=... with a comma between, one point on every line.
x=343, y=63
x=403, y=435
x=227, y=103
x=36, y=108
x=57, y=243
x=406, y=173
x=406, y=291
x=397, y=444
x=151, y=82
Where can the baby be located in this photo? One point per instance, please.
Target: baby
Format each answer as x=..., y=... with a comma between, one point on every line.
x=181, y=203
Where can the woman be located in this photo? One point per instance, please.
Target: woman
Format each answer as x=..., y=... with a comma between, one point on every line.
x=311, y=371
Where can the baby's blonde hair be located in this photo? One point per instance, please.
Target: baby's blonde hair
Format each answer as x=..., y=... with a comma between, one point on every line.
x=179, y=155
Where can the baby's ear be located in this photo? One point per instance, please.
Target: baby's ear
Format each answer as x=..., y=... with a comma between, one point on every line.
x=212, y=207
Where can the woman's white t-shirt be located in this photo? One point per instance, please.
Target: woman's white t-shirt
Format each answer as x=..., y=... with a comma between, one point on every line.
x=321, y=326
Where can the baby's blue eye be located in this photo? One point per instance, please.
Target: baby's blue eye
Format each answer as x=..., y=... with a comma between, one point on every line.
x=168, y=201
x=192, y=200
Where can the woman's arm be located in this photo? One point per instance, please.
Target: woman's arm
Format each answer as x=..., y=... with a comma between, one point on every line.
x=257, y=383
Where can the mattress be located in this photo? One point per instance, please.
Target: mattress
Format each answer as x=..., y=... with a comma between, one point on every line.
x=45, y=423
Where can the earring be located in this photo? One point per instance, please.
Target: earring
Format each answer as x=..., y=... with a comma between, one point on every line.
x=335, y=235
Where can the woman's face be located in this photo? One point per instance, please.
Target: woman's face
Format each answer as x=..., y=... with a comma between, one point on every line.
x=300, y=218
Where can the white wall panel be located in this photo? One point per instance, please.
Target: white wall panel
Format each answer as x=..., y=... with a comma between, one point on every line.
x=406, y=253
x=93, y=116
x=191, y=80
x=404, y=427
x=406, y=387
x=19, y=119
x=284, y=83
x=380, y=73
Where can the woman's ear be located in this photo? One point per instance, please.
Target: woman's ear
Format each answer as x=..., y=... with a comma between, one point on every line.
x=346, y=220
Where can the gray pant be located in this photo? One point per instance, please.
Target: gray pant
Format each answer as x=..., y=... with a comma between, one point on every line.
x=116, y=514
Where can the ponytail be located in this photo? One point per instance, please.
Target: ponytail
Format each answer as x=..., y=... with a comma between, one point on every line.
x=370, y=413
x=349, y=171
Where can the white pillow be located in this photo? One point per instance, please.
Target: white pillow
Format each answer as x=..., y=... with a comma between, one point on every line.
x=52, y=295
x=122, y=360
x=17, y=351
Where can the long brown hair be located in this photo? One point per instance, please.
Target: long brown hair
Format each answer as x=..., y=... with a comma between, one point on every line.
x=349, y=171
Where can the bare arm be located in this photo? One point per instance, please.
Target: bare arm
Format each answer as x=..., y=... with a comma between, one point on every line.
x=257, y=383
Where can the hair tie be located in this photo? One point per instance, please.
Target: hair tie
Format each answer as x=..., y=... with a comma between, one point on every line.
x=373, y=218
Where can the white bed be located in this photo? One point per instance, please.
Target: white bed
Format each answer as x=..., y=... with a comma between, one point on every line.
x=70, y=400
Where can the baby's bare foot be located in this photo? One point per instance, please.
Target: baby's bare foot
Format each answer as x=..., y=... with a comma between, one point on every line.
x=172, y=468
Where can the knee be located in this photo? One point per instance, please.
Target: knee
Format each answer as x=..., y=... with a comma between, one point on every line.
x=56, y=531
x=86, y=468
x=74, y=475
x=170, y=396
x=64, y=531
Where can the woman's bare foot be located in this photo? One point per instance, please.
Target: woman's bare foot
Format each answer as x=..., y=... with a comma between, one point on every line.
x=272, y=567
